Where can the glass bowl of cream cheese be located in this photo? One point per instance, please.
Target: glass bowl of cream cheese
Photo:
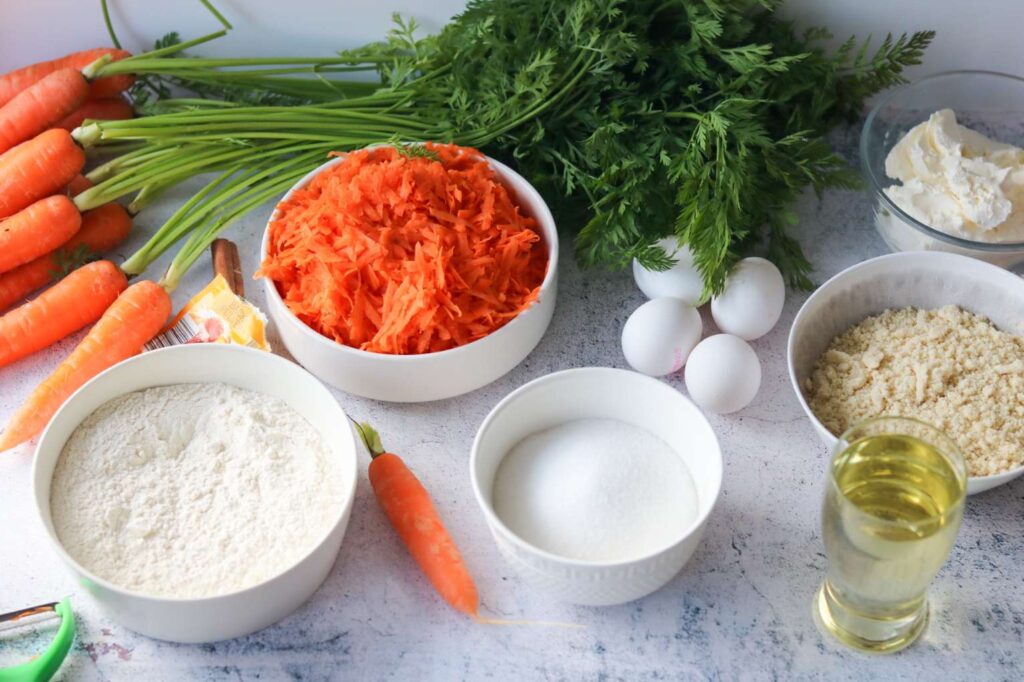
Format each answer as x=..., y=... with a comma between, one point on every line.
x=944, y=161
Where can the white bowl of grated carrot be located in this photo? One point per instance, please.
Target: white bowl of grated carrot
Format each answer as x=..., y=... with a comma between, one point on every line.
x=419, y=376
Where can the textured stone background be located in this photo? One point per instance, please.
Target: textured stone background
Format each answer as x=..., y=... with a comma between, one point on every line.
x=739, y=610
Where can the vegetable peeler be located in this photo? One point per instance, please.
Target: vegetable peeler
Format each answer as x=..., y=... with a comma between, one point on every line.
x=45, y=665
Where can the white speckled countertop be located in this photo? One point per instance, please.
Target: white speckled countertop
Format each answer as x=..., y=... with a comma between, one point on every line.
x=739, y=610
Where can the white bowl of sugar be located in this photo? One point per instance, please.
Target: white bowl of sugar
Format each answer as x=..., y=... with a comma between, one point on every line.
x=596, y=483
x=186, y=538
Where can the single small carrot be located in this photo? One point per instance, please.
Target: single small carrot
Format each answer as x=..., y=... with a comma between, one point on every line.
x=41, y=106
x=15, y=81
x=410, y=510
x=77, y=300
x=102, y=229
x=133, y=319
x=38, y=168
x=106, y=109
x=37, y=230
x=78, y=184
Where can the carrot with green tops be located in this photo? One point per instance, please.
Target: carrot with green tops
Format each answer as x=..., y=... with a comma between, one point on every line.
x=20, y=79
x=77, y=300
x=37, y=230
x=102, y=229
x=410, y=510
x=38, y=168
x=41, y=106
x=137, y=315
x=78, y=184
x=107, y=109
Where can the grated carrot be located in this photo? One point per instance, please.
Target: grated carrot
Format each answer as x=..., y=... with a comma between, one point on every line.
x=401, y=254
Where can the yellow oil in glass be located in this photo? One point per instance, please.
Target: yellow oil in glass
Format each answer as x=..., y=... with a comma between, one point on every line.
x=892, y=511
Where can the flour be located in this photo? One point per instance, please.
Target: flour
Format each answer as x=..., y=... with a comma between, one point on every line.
x=193, y=490
x=595, y=490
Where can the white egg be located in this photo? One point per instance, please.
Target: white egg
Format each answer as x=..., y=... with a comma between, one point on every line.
x=680, y=281
x=723, y=374
x=752, y=300
x=659, y=336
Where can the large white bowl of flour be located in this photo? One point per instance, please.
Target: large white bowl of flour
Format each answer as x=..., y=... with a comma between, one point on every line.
x=596, y=483
x=199, y=492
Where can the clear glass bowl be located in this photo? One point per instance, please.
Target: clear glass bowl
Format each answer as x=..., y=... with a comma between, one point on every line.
x=991, y=103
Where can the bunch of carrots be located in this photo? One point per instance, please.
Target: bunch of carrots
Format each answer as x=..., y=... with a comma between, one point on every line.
x=43, y=235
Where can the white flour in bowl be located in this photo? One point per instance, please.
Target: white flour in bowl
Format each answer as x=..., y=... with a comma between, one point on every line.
x=193, y=490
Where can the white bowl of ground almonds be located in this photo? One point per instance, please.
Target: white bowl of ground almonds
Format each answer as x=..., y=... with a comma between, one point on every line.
x=930, y=335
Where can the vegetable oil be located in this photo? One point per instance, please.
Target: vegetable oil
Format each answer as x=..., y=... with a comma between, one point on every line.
x=892, y=510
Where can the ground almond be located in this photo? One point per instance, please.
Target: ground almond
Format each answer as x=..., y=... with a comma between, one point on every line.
x=948, y=367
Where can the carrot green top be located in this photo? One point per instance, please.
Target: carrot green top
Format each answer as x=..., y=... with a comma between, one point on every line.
x=404, y=253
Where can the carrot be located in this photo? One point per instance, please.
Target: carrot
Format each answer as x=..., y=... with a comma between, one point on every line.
x=133, y=319
x=41, y=106
x=38, y=168
x=107, y=109
x=77, y=300
x=78, y=184
x=400, y=255
x=15, y=81
x=408, y=506
x=102, y=229
x=36, y=230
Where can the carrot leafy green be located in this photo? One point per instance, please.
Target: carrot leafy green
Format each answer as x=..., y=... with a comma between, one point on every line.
x=703, y=119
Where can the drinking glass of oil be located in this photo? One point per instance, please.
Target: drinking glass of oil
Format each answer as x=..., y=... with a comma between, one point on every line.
x=894, y=499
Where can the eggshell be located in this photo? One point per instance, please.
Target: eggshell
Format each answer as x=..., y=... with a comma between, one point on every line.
x=723, y=374
x=680, y=281
x=752, y=300
x=659, y=335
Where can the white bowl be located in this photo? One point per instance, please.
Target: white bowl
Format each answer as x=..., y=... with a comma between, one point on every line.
x=238, y=613
x=429, y=376
x=597, y=392
x=922, y=279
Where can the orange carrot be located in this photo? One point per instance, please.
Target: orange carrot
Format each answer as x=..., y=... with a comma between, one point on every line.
x=133, y=319
x=107, y=109
x=41, y=106
x=392, y=254
x=38, y=168
x=14, y=82
x=37, y=230
x=102, y=229
x=77, y=300
x=78, y=184
x=410, y=510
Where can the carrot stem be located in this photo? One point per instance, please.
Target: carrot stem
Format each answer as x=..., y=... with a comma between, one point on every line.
x=225, y=214
x=370, y=438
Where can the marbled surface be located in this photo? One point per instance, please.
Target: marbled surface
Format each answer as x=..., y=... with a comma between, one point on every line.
x=739, y=610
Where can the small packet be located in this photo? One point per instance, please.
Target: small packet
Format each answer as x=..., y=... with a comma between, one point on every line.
x=217, y=314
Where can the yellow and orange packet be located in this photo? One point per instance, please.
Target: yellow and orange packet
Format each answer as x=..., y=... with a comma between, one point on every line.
x=218, y=313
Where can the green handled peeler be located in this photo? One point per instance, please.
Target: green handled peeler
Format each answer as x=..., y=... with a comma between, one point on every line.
x=45, y=665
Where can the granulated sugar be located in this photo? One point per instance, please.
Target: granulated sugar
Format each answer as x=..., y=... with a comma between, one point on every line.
x=596, y=490
x=193, y=490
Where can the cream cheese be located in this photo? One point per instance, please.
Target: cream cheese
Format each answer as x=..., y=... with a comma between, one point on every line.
x=958, y=181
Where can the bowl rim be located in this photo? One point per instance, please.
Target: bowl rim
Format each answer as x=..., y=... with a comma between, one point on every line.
x=495, y=521
x=548, y=230
x=878, y=189
x=802, y=313
x=45, y=517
